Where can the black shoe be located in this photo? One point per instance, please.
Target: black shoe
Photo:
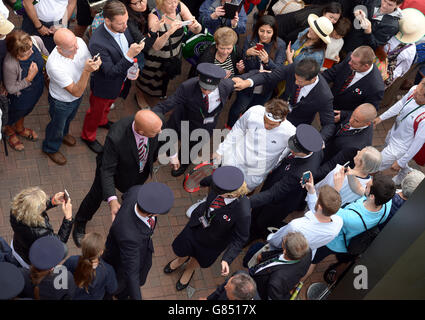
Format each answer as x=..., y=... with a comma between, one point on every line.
x=179, y=171
x=107, y=125
x=94, y=146
x=180, y=286
x=79, y=232
x=167, y=268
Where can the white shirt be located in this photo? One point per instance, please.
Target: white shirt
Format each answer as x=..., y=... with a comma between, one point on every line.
x=213, y=100
x=317, y=234
x=305, y=90
x=4, y=11
x=401, y=137
x=404, y=59
x=63, y=71
x=144, y=219
x=252, y=148
x=51, y=10
x=347, y=195
x=360, y=75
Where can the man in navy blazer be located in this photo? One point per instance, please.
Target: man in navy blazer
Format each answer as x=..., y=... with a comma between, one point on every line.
x=112, y=40
x=306, y=91
x=356, y=80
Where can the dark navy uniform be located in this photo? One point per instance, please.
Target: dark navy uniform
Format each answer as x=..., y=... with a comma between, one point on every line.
x=229, y=225
x=188, y=102
x=11, y=281
x=129, y=244
x=282, y=192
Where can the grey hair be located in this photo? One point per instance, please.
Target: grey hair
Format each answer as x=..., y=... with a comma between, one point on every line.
x=244, y=287
x=371, y=160
x=411, y=182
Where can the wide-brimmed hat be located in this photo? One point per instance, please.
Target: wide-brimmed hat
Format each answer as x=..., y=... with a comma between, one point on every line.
x=5, y=25
x=412, y=26
x=322, y=26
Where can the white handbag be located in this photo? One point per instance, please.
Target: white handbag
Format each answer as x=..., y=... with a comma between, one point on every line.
x=287, y=6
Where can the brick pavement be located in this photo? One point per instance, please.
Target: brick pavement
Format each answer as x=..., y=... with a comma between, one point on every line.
x=32, y=168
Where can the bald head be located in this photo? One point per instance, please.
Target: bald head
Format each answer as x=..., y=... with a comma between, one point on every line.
x=147, y=123
x=66, y=42
x=363, y=115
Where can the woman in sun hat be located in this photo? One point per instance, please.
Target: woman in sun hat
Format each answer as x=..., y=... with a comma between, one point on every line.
x=400, y=49
x=312, y=42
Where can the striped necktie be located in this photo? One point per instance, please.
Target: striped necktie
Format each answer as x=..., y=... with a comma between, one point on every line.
x=143, y=153
x=151, y=222
x=297, y=93
x=348, y=81
x=218, y=203
x=344, y=128
x=206, y=103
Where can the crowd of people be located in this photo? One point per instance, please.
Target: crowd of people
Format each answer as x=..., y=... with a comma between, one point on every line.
x=333, y=60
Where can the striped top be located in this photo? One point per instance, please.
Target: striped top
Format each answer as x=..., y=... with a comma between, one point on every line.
x=226, y=65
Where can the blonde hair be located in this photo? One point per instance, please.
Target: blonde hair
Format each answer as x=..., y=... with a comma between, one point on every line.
x=243, y=190
x=28, y=205
x=225, y=36
x=160, y=3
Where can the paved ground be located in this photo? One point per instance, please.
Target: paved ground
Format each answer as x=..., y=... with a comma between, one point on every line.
x=32, y=168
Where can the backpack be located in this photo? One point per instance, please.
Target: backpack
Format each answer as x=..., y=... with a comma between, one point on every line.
x=362, y=241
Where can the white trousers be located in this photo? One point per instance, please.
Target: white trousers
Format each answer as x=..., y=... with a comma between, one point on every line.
x=389, y=155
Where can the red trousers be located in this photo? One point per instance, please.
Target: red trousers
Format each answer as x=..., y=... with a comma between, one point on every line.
x=96, y=115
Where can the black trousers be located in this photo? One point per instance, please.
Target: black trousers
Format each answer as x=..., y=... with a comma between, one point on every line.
x=94, y=197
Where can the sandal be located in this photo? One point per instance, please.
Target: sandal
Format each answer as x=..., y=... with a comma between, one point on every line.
x=17, y=145
x=31, y=135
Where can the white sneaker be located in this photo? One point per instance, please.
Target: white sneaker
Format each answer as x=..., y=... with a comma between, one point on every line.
x=194, y=206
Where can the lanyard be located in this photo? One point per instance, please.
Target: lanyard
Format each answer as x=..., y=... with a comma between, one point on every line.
x=408, y=101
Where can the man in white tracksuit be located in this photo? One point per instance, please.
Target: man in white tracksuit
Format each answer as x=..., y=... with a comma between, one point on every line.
x=402, y=142
x=257, y=141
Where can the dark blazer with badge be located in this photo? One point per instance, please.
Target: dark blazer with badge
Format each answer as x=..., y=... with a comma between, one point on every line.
x=368, y=89
x=187, y=103
x=229, y=228
x=319, y=100
x=281, y=193
x=129, y=247
x=276, y=282
x=356, y=139
x=108, y=80
x=119, y=162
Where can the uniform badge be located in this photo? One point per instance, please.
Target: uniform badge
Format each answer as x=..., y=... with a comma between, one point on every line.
x=358, y=91
x=287, y=167
x=227, y=218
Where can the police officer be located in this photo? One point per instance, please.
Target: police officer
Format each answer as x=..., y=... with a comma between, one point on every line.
x=198, y=101
x=221, y=222
x=282, y=192
x=129, y=244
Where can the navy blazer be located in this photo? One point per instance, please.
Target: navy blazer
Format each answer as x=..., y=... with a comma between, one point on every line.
x=129, y=246
x=107, y=82
x=368, y=89
x=318, y=100
x=187, y=101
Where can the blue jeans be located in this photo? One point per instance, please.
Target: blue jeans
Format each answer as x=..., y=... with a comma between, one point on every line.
x=61, y=115
x=244, y=100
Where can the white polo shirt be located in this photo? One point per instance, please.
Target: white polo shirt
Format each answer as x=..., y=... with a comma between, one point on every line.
x=50, y=10
x=63, y=71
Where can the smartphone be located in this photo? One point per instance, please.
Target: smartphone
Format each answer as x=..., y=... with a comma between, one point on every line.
x=144, y=38
x=259, y=47
x=306, y=177
x=96, y=57
x=65, y=195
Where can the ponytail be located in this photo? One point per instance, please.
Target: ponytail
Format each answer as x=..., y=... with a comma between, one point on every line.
x=36, y=277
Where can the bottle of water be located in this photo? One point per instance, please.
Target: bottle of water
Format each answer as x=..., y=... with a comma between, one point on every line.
x=132, y=71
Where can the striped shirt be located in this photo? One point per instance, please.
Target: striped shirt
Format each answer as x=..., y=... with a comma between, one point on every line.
x=226, y=65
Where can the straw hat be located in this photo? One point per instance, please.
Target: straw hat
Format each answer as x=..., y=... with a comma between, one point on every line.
x=412, y=26
x=322, y=26
x=5, y=25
